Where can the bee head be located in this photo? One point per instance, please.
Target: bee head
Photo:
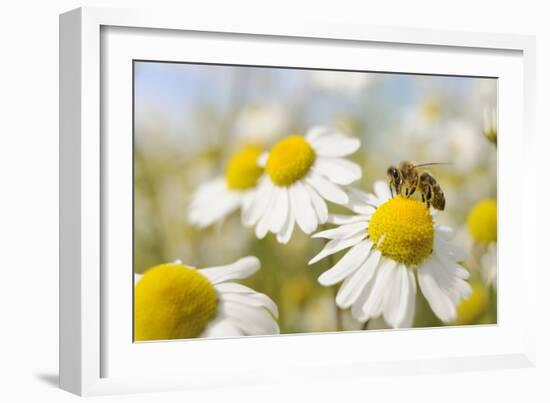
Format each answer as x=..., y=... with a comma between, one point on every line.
x=393, y=174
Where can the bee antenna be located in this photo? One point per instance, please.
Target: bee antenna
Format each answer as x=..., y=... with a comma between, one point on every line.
x=433, y=163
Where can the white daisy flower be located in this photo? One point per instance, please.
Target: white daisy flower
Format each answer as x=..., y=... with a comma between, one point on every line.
x=216, y=199
x=483, y=230
x=301, y=174
x=391, y=240
x=175, y=301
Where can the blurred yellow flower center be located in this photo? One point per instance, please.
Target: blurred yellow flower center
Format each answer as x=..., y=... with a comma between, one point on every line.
x=290, y=160
x=173, y=301
x=402, y=229
x=432, y=109
x=482, y=221
x=470, y=310
x=242, y=171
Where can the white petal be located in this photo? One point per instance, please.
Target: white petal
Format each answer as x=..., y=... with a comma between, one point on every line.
x=452, y=266
x=262, y=159
x=375, y=302
x=438, y=298
x=262, y=197
x=354, y=285
x=303, y=210
x=246, y=206
x=347, y=265
x=318, y=132
x=340, y=219
x=445, y=231
x=265, y=220
x=338, y=170
x=344, y=231
x=397, y=298
x=382, y=190
x=409, y=312
x=251, y=320
x=242, y=268
x=280, y=210
x=328, y=190
x=256, y=299
x=209, y=190
x=137, y=277
x=444, y=248
x=221, y=327
x=213, y=202
x=451, y=276
x=337, y=245
x=357, y=307
x=342, y=146
x=235, y=288
x=362, y=202
x=318, y=204
x=335, y=145
x=286, y=232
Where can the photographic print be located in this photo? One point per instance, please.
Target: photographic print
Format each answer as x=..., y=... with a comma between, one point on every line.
x=275, y=200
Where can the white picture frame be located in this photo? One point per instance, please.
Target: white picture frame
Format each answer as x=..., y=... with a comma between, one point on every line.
x=91, y=353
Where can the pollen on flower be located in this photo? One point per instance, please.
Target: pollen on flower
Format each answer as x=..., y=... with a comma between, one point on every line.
x=242, y=171
x=289, y=160
x=173, y=301
x=402, y=229
x=482, y=221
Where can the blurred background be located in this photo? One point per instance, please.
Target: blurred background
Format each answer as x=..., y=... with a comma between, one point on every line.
x=189, y=118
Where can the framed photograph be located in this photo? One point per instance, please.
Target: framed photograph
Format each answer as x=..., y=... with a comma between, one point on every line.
x=250, y=201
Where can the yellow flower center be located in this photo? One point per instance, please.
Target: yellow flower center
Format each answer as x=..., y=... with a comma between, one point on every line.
x=242, y=171
x=173, y=301
x=402, y=229
x=482, y=221
x=289, y=160
x=470, y=310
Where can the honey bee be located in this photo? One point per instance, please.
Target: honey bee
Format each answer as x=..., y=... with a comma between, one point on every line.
x=405, y=179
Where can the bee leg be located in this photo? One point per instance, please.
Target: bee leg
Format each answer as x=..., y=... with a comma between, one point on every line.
x=412, y=191
x=391, y=190
x=429, y=196
x=423, y=198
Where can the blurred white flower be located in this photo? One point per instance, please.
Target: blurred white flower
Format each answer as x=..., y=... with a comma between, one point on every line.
x=490, y=124
x=175, y=301
x=349, y=83
x=482, y=224
x=489, y=265
x=461, y=143
x=216, y=199
x=300, y=174
x=260, y=124
x=391, y=239
x=484, y=91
